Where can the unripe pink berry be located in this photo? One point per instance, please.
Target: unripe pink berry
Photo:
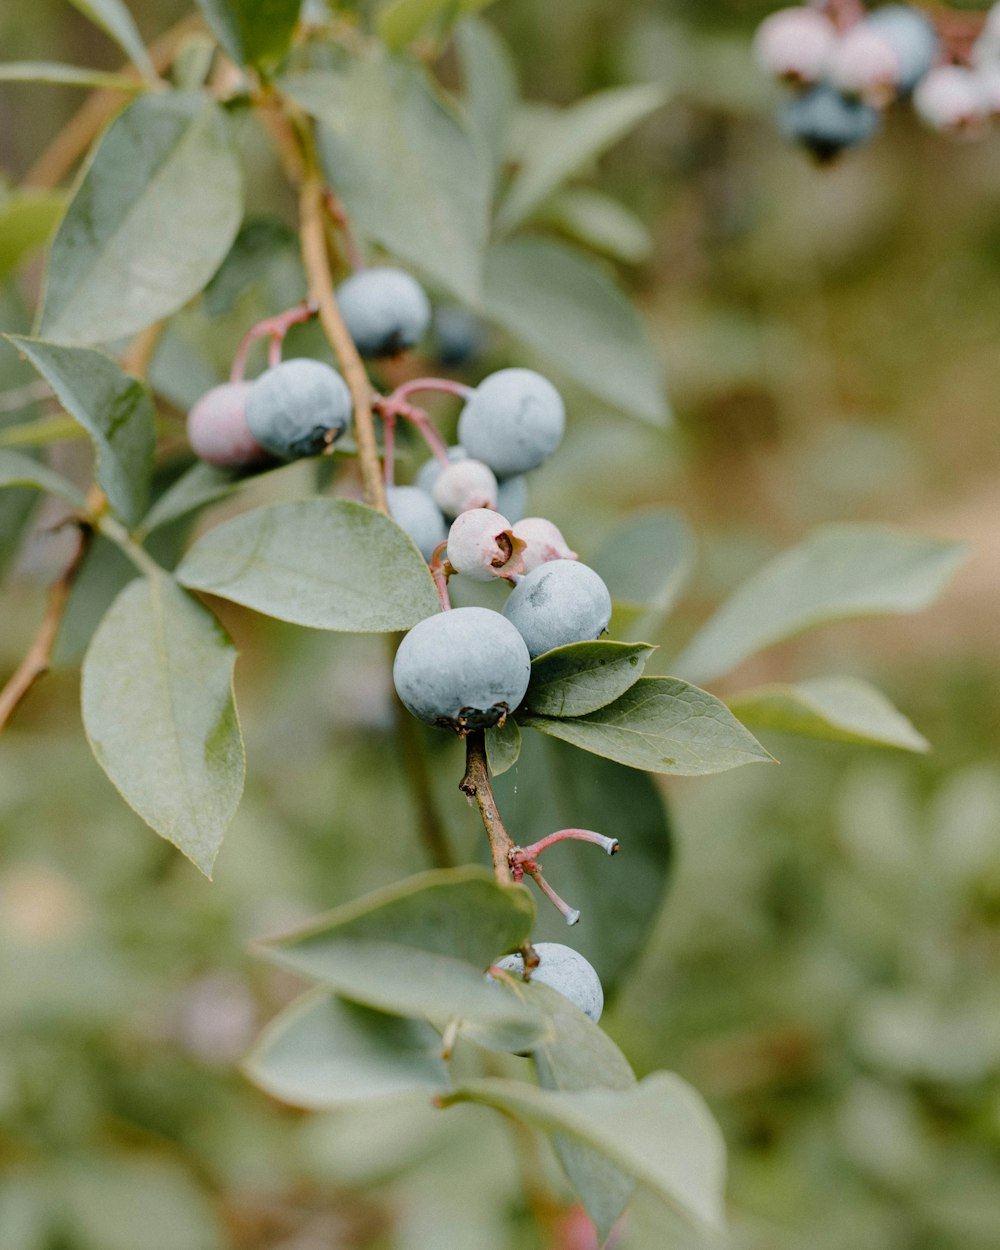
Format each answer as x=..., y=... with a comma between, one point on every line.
x=951, y=98
x=542, y=542
x=217, y=427
x=864, y=63
x=481, y=545
x=465, y=484
x=795, y=44
x=989, y=85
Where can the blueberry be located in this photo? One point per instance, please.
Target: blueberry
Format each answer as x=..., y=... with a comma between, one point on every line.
x=386, y=310
x=561, y=601
x=513, y=421
x=463, y=669
x=298, y=408
x=825, y=121
x=563, y=969
x=795, y=43
x=464, y=484
x=217, y=427
x=415, y=511
x=542, y=540
x=458, y=335
x=482, y=546
x=952, y=98
x=912, y=36
x=512, y=492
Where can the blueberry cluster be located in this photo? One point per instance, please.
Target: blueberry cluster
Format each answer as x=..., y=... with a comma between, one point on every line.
x=963, y=99
x=844, y=73
x=468, y=668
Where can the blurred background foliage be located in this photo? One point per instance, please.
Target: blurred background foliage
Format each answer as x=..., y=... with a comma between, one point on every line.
x=827, y=967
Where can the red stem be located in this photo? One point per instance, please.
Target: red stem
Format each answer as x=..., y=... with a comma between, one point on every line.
x=441, y=570
x=608, y=845
x=446, y=385
x=274, y=328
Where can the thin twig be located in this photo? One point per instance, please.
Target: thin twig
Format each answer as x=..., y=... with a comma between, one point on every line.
x=476, y=784
x=317, y=266
x=38, y=657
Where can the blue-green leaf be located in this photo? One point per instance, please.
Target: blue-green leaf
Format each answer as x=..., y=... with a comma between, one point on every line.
x=253, y=32
x=116, y=21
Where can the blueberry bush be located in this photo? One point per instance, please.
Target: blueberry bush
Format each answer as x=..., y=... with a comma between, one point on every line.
x=290, y=252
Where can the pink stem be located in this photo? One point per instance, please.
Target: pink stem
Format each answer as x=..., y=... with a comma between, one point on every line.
x=274, y=351
x=608, y=845
x=441, y=570
x=388, y=405
x=431, y=384
x=274, y=328
x=570, y=914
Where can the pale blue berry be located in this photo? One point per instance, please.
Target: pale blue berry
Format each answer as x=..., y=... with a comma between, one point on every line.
x=513, y=421
x=415, y=511
x=298, y=408
x=559, y=602
x=462, y=669
x=386, y=310
x=564, y=969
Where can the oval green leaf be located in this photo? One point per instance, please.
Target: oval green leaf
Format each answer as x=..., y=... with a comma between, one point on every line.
x=662, y=725
x=153, y=217
x=160, y=716
x=840, y=709
x=325, y=563
x=839, y=572
x=116, y=21
x=583, y=677
x=17, y=469
x=503, y=746
x=659, y=1132
x=114, y=408
x=69, y=76
x=323, y=1052
x=253, y=32
x=421, y=949
x=554, y=299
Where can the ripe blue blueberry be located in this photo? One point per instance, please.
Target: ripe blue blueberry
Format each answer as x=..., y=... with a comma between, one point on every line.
x=561, y=601
x=386, y=310
x=825, y=121
x=912, y=36
x=563, y=969
x=217, y=427
x=415, y=511
x=463, y=669
x=513, y=421
x=298, y=408
x=458, y=335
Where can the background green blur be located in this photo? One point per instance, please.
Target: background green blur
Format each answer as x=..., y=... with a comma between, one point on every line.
x=827, y=967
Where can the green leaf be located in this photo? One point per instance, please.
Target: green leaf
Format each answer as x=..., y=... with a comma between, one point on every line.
x=253, y=32
x=555, y=786
x=401, y=21
x=69, y=76
x=159, y=713
x=386, y=126
x=662, y=725
x=578, y=135
x=323, y=1052
x=116, y=21
x=154, y=215
x=20, y=470
x=583, y=677
x=420, y=949
x=578, y=1055
x=599, y=223
x=489, y=81
x=503, y=746
x=839, y=572
x=200, y=485
x=53, y=429
x=554, y=300
x=660, y=1132
x=646, y=563
x=114, y=408
x=844, y=709
x=325, y=563
x=27, y=218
